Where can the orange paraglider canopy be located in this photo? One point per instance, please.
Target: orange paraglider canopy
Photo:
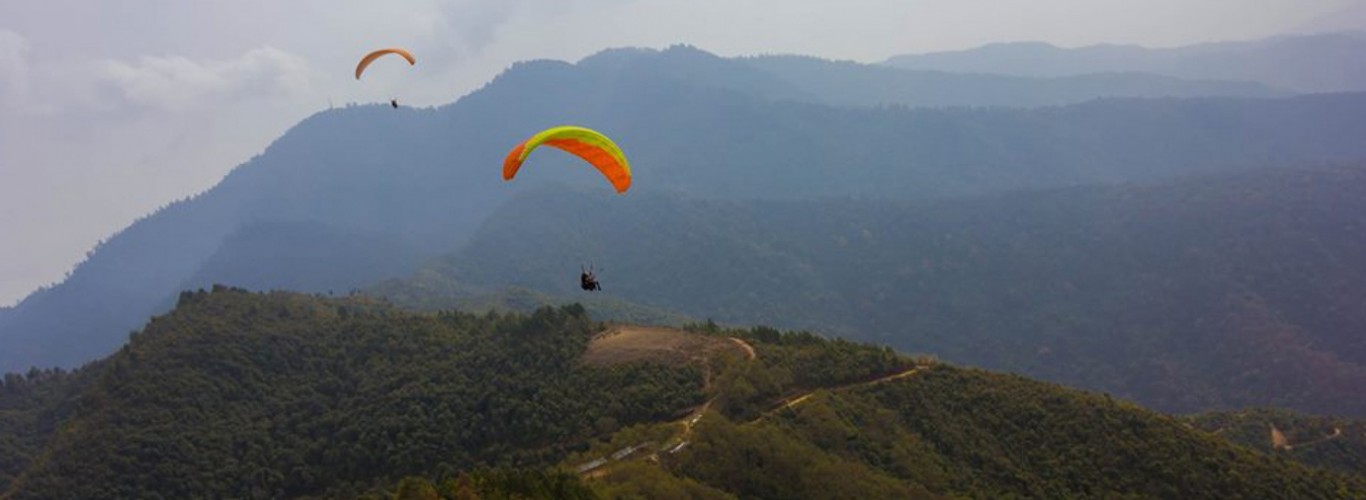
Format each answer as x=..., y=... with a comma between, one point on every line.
x=369, y=58
x=588, y=144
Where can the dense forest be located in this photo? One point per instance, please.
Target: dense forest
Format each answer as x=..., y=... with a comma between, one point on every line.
x=1204, y=293
x=269, y=395
x=239, y=394
x=32, y=406
x=251, y=396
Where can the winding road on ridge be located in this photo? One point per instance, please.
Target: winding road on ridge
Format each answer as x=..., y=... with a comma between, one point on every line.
x=629, y=343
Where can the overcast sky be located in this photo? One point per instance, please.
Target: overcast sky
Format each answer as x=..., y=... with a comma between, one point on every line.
x=110, y=109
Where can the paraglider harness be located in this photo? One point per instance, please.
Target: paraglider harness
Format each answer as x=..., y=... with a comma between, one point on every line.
x=587, y=280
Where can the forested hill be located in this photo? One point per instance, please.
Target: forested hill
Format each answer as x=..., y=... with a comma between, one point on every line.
x=248, y=395
x=419, y=181
x=1207, y=292
x=240, y=395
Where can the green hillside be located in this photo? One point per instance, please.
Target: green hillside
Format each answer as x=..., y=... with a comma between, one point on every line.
x=264, y=396
x=955, y=432
x=278, y=395
x=933, y=432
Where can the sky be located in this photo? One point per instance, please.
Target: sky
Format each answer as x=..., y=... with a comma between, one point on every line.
x=111, y=109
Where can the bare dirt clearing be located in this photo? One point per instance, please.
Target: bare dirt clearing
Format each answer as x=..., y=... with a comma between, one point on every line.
x=632, y=344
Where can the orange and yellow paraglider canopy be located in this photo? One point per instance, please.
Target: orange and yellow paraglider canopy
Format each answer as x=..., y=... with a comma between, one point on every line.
x=369, y=58
x=589, y=144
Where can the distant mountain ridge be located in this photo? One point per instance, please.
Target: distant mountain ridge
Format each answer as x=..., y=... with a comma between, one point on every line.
x=1304, y=63
x=396, y=187
x=846, y=83
x=855, y=84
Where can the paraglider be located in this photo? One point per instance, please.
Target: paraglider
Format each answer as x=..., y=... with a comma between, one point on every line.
x=371, y=57
x=588, y=144
x=588, y=281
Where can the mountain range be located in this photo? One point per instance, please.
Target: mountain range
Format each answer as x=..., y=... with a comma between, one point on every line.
x=1133, y=279
x=384, y=190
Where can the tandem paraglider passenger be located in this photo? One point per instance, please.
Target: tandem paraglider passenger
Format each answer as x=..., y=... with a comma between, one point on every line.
x=588, y=281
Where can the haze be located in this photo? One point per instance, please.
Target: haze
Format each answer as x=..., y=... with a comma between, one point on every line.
x=109, y=110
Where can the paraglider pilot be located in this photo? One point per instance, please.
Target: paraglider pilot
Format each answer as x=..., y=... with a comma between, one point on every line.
x=394, y=103
x=588, y=281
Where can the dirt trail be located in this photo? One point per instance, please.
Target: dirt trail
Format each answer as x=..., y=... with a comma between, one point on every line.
x=694, y=417
x=1337, y=433
x=795, y=402
x=801, y=398
x=633, y=343
x=749, y=351
x=628, y=344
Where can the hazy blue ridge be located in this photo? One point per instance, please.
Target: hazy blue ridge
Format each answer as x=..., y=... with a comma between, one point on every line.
x=1304, y=63
x=383, y=190
x=854, y=84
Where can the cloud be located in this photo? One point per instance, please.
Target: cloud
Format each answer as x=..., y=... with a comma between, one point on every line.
x=178, y=83
x=14, y=69
x=1350, y=17
x=476, y=24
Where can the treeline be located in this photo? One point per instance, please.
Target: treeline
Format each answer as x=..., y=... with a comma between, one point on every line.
x=245, y=395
